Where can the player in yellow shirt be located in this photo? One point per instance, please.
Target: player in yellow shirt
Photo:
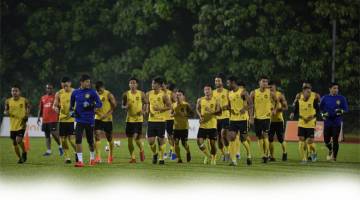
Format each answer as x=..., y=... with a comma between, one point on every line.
x=300, y=95
x=239, y=119
x=66, y=122
x=18, y=109
x=207, y=108
x=133, y=101
x=260, y=115
x=277, y=123
x=157, y=103
x=306, y=109
x=104, y=121
x=222, y=95
x=181, y=111
x=169, y=89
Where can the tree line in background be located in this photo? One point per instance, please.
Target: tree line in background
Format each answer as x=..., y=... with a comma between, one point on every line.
x=185, y=41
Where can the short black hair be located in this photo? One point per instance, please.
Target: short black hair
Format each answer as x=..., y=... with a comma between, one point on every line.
x=332, y=84
x=241, y=83
x=84, y=77
x=158, y=80
x=220, y=75
x=263, y=77
x=181, y=91
x=171, y=86
x=306, y=87
x=233, y=79
x=65, y=79
x=98, y=85
x=207, y=85
x=133, y=78
x=16, y=86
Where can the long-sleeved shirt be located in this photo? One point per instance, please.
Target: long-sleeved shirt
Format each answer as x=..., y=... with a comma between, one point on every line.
x=85, y=102
x=329, y=104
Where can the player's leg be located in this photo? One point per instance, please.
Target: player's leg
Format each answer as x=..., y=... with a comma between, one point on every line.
x=161, y=142
x=177, y=148
x=302, y=147
x=259, y=134
x=224, y=132
x=336, y=134
x=130, y=133
x=139, y=140
x=20, y=141
x=266, y=127
x=98, y=131
x=201, y=142
x=16, y=146
x=169, y=129
x=243, y=132
x=280, y=138
x=311, y=144
x=47, y=140
x=78, y=139
x=109, y=137
x=272, y=132
x=213, y=148
x=231, y=136
x=328, y=133
x=56, y=137
x=220, y=140
x=151, y=137
x=89, y=131
x=237, y=144
x=184, y=139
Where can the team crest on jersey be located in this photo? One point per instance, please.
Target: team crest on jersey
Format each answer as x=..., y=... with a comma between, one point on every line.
x=309, y=105
x=103, y=99
x=223, y=96
x=159, y=99
x=338, y=102
x=137, y=98
x=21, y=105
x=87, y=95
x=211, y=105
x=265, y=96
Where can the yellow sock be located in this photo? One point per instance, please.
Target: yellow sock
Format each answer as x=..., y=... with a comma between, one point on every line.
x=111, y=147
x=161, y=151
x=261, y=144
x=266, y=146
x=302, y=150
x=247, y=148
x=237, y=144
x=97, y=148
x=153, y=148
x=232, y=150
x=312, y=147
x=271, y=149
x=283, y=146
x=66, y=154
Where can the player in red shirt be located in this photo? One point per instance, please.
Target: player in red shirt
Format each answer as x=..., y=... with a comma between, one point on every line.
x=49, y=119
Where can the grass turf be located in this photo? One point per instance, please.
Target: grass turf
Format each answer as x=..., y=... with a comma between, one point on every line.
x=38, y=167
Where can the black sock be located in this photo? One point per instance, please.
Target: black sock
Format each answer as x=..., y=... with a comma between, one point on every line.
x=336, y=149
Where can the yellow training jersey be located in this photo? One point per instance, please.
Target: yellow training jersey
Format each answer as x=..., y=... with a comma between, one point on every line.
x=156, y=100
x=135, y=104
x=180, y=115
x=65, y=106
x=167, y=114
x=237, y=103
x=17, y=113
x=312, y=95
x=105, y=108
x=208, y=106
x=223, y=98
x=278, y=117
x=306, y=109
x=262, y=104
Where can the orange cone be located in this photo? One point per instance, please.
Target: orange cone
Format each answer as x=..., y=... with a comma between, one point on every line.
x=27, y=141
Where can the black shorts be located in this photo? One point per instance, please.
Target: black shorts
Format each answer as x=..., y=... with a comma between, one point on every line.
x=156, y=129
x=276, y=128
x=66, y=128
x=332, y=131
x=107, y=127
x=261, y=126
x=19, y=133
x=306, y=132
x=169, y=127
x=239, y=126
x=133, y=127
x=222, y=124
x=181, y=134
x=49, y=127
x=207, y=133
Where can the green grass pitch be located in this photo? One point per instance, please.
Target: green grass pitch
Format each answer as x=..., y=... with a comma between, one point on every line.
x=38, y=167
